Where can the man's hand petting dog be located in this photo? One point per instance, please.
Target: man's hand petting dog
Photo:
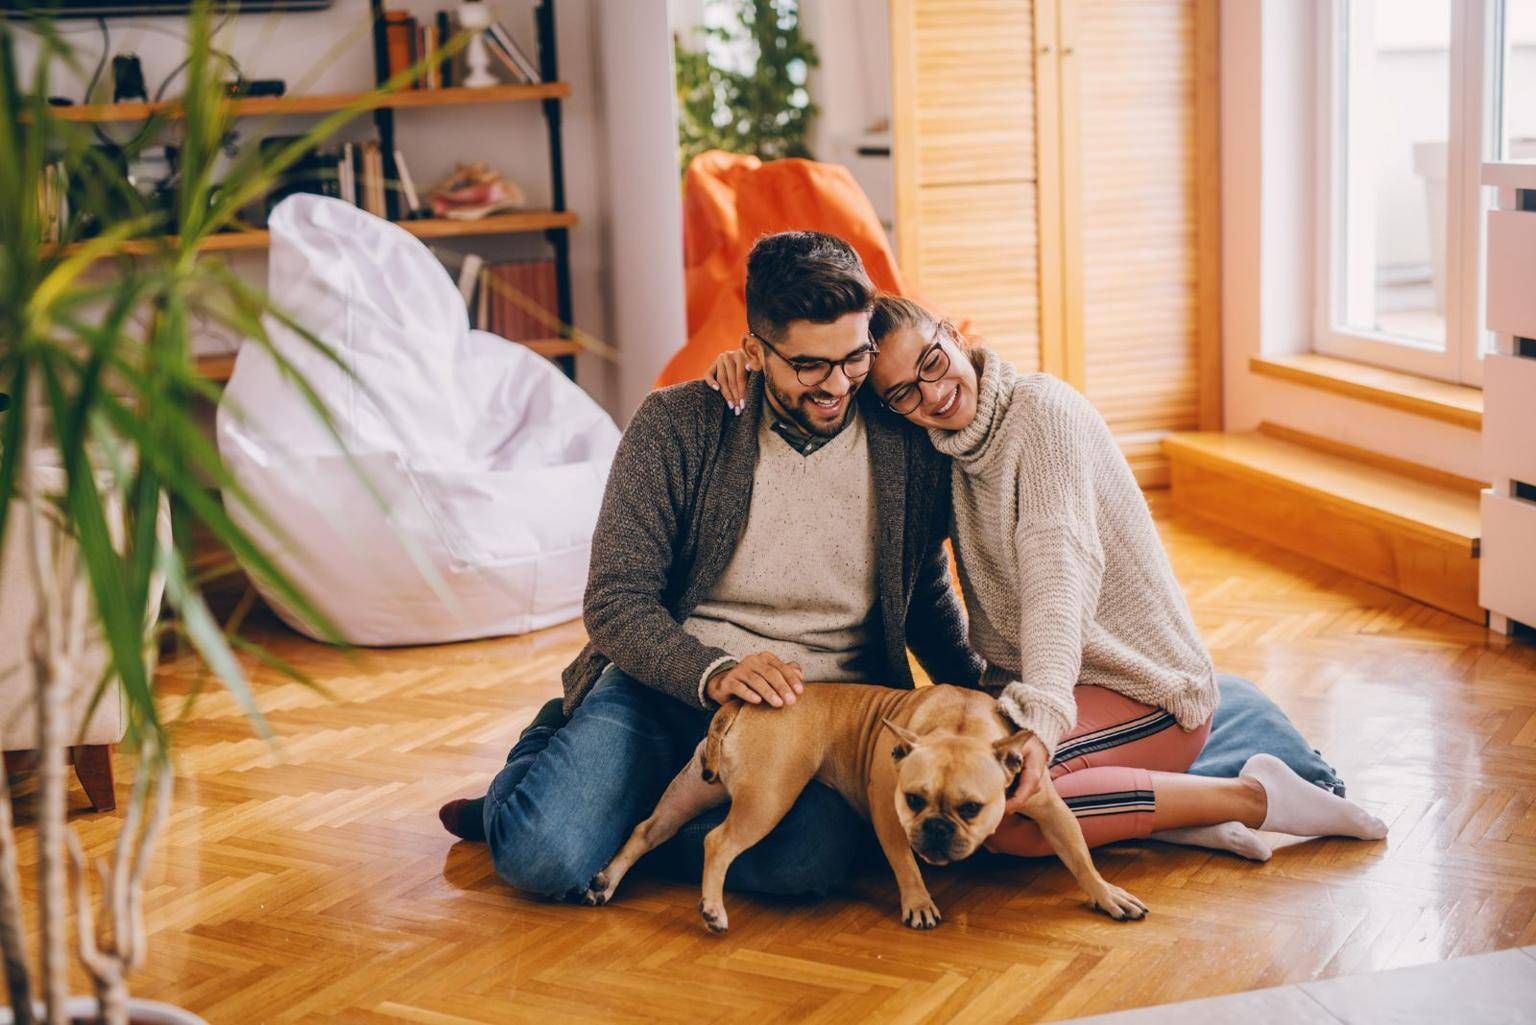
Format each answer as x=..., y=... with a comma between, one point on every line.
x=756, y=679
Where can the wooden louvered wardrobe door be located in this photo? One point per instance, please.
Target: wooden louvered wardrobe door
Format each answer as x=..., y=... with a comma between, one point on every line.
x=963, y=148
x=1140, y=218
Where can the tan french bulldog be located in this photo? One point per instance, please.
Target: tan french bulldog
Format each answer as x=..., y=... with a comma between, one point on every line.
x=939, y=791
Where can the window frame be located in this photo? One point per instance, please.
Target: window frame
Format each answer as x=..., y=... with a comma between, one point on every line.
x=1476, y=53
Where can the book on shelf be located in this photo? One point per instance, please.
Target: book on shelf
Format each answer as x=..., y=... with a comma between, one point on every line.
x=445, y=68
x=407, y=185
x=426, y=49
x=380, y=192
x=469, y=277
x=372, y=192
x=316, y=172
x=407, y=41
x=526, y=69
x=506, y=60
x=347, y=172
x=519, y=300
x=354, y=172
x=400, y=41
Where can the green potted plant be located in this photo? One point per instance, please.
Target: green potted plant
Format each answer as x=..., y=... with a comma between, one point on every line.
x=757, y=104
x=100, y=433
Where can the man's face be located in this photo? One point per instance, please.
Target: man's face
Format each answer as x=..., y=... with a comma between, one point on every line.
x=822, y=408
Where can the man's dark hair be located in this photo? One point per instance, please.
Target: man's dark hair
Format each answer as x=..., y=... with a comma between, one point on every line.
x=803, y=275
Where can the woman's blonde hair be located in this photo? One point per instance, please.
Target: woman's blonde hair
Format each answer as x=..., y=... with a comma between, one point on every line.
x=895, y=312
x=892, y=312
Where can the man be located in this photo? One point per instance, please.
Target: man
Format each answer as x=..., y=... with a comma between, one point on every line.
x=739, y=553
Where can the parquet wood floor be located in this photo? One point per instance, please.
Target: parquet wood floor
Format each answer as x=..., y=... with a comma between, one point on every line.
x=313, y=883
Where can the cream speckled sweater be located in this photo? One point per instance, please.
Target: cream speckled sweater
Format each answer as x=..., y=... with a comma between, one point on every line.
x=1064, y=575
x=801, y=582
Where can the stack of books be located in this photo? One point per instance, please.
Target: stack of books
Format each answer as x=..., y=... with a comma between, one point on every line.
x=409, y=41
x=517, y=300
x=355, y=172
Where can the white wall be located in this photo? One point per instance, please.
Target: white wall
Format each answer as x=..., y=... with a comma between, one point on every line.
x=1268, y=159
x=852, y=86
x=645, y=223
x=615, y=80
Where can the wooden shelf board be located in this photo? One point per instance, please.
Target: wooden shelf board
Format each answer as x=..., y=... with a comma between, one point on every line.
x=496, y=224
x=254, y=106
x=1418, y=471
x=1415, y=537
x=218, y=367
x=1440, y=512
x=1438, y=400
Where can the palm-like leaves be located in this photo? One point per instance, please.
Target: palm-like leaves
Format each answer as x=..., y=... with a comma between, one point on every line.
x=120, y=385
x=98, y=368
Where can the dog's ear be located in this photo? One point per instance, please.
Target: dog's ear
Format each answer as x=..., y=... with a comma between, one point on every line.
x=1010, y=752
x=906, y=740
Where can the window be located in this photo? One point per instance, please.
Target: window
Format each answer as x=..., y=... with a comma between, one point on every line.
x=1413, y=96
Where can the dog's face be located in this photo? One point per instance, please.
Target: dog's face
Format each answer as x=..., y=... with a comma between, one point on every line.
x=950, y=790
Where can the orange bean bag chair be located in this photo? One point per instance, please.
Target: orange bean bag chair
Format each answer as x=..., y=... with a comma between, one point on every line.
x=729, y=201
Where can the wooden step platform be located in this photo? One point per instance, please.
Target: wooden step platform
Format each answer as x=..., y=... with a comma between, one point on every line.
x=1409, y=530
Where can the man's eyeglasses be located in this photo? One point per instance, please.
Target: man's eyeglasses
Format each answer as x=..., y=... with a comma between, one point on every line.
x=932, y=364
x=811, y=372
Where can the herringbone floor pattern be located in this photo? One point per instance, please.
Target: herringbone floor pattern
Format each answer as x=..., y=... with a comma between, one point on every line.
x=313, y=882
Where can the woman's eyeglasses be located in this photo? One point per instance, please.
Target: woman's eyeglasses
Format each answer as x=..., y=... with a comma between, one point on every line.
x=932, y=365
x=811, y=372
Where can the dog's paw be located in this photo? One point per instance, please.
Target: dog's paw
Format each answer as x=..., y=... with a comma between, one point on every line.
x=1121, y=905
x=714, y=917
x=920, y=914
x=599, y=891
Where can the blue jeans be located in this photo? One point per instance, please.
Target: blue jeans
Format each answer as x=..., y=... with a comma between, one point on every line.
x=567, y=799
x=1247, y=722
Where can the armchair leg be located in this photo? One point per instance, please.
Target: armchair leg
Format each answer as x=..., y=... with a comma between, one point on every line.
x=93, y=765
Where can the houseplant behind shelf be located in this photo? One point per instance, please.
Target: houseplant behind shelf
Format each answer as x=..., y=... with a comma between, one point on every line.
x=102, y=398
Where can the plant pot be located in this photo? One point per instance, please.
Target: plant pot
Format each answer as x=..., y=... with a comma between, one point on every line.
x=82, y=1010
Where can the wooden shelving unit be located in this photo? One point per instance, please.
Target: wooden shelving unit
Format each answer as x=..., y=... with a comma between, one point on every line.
x=325, y=103
x=555, y=223
x=496, y=224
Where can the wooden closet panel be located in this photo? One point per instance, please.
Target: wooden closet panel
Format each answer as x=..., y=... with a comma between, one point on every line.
x=974, y=90
x=964, y=154
x=977, y=260
x=1131, y=86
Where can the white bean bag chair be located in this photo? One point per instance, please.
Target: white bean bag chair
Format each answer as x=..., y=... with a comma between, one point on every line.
x=468, y=504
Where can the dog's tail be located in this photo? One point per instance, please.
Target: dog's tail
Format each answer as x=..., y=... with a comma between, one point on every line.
x=719, y=726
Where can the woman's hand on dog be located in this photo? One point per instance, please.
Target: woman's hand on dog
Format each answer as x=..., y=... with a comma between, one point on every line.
x=1031, y=775
x=756, y=679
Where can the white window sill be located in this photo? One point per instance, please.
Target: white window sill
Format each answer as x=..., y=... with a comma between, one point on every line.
x=1438, y=400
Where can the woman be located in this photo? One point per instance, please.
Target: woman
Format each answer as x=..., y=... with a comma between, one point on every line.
x=1088, y=640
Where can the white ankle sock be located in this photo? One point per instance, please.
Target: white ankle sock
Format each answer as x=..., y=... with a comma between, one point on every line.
x=1301, y=809
x=1228, y=836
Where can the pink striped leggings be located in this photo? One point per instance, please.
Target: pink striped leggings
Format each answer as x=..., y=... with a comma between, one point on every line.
x=1101, y=770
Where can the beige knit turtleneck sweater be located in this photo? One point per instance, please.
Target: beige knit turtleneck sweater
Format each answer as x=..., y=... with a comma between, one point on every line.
x=1064, y=575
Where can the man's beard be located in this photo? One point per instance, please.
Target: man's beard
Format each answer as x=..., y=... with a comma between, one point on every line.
x=797, y=414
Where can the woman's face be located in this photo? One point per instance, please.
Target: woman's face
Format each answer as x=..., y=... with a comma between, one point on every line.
x=926, y=376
